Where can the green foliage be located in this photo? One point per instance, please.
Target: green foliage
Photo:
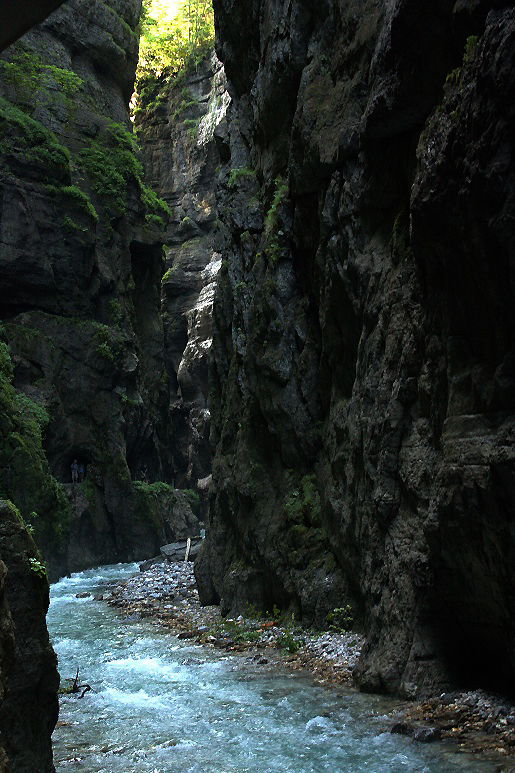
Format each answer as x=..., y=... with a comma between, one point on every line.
x=158, y=211
x=157, y=489
x=192, y=125
x=25, y=477
x=252, y=611
x=37, y=567
x=107, y=340
x=111, y=163
x=340, y=619
x=34, y=414
x=273, y=249
x=73, y=194
x=288, y=642
x=240, y=173
x=115, y=311
x=454, y=77
x=27, y=141
x=152, y=500
x=238, y=633
x=6, y=366
x=34, y=83
x=183, y=105
x=105, y=351
x=302, y=507
x=193, y=499
x=280, y=195
x=174, y=40
x=470, y=47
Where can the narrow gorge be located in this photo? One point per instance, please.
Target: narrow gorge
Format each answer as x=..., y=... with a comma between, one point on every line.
x=276, y=300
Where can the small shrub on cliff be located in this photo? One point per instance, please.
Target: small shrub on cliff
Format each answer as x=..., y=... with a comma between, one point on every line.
x=240, y=173
x=112, y=163
x=37, y=567
x=470, y=48
x=303, y=504
x=193, y=499
x=105, y=351
x=340, y=619
x=454, y=77
x=157, y=210
x=26, y=141
x=34, y=83
x=157, y=489
x=280, y=196
x=73, y=194
x=272, y=230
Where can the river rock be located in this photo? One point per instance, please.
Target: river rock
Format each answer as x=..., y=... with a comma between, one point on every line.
x=427, y=734
x=176, y=551
x=151, y=562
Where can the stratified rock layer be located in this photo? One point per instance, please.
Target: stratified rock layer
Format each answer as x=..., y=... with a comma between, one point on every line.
x=363, y=384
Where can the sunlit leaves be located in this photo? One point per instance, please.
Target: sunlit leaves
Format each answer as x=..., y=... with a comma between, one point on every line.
x=173, y=34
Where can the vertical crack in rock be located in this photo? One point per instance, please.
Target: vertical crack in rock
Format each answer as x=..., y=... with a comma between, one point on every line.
x=179, y=123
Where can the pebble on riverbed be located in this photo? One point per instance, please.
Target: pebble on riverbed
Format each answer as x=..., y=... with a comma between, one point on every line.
x=166, y=593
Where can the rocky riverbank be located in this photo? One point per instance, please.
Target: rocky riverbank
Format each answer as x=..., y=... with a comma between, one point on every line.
x=167, y=595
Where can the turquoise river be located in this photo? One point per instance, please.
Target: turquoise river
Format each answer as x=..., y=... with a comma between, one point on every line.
x=160, y=705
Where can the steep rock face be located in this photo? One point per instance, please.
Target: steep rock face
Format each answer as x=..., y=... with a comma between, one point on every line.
x=29, y=706
x=80, y=271
x=363, y=381
x=6, y=650
x=177, y=125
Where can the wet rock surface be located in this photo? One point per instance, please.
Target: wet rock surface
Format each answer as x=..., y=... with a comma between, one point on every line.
x=477, y=721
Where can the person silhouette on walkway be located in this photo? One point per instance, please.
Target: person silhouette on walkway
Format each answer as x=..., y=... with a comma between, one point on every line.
x=75, y=471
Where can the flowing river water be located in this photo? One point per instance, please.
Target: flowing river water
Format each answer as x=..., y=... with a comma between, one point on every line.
x=162, y=705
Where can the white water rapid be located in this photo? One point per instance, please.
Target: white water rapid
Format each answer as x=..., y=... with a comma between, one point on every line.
x=160, y=705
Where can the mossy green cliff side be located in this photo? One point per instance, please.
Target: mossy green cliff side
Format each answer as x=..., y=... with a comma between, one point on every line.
x=81, y=261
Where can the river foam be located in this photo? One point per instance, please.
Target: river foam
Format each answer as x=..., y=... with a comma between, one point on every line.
x=163, y=705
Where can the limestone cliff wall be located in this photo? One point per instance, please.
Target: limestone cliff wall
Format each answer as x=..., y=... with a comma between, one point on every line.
x=362, y=395
x=81, y=263
x=177, y=124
